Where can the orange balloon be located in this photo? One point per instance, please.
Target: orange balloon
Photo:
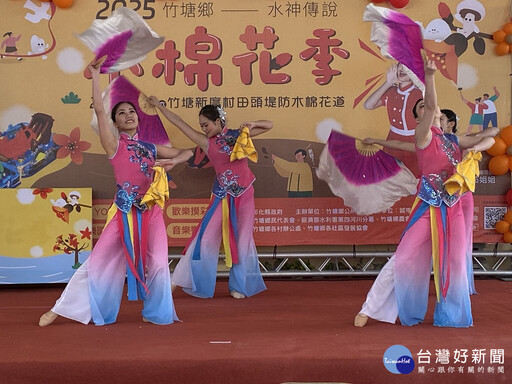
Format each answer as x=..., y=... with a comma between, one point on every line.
x=63, y=3
x=507, y=28
x=499, y=165
x=499, y=36
x=508, y=217
x=502, y=226
x=507, y=237
x=499, y=147
x=506, y=134
x=502, y=49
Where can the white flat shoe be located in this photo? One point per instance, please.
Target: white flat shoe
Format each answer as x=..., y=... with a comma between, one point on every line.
x=237, y=295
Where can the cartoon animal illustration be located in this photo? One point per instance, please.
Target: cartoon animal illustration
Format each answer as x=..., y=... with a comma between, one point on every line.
x=38, y=46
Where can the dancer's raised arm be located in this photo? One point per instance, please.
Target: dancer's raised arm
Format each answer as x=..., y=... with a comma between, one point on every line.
x=107, y=139
x=197, y=137
x=431, y=113
x=257, y=127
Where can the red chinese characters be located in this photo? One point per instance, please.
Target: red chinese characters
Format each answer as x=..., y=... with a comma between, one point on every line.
x=267, y=64
x=202, y=48
x=320, y=50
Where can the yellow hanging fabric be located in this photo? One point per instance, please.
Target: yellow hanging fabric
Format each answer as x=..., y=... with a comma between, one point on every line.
x=244, y=147
x=158, y=191
x=463, y=180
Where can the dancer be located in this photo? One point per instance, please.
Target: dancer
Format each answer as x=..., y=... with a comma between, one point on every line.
x=230, y=214
x=448, y=123
x=95, y=290
x=435, y=230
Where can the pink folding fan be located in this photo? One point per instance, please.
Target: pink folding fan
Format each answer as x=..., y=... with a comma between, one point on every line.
x=151, y=128
x=365, y=177
x=124, y=37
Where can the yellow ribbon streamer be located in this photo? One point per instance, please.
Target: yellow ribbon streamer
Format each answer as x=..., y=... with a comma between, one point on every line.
x=434, y=234
x=244, y=147
x=225, y=232
x=464, y=179
x=435, y=251
x=112, y=212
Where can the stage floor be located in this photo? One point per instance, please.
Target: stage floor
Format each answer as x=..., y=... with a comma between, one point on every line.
x=296, y=331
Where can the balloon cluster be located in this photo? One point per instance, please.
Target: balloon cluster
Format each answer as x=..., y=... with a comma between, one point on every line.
x=505, y=227
x=61, y=3
x=501, y=152
x=503, y=39
x=394, y=3
x=499, y=164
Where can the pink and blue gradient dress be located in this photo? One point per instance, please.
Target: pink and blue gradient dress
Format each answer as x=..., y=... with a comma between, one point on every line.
x=435, y=237
x=133, y=247
x=229, y=219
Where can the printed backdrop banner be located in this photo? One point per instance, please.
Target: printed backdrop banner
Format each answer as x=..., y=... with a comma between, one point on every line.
x=45, y=234
x=310, y=67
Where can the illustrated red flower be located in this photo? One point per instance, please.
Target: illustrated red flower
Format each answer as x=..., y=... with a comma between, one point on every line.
x=86, y=233
x=73, y=241
x=43, y=192
x=71, y=145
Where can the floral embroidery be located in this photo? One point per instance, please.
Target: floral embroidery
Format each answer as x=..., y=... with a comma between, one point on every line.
x=432, y=189
x=226, y=141
x=227, y=182
x=449, y=147
x=127, y=195
x=141, y=153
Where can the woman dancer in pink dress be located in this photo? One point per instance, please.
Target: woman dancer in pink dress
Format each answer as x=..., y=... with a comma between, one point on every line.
x=435, y=234
x=448, y=123
x=95, y=290
x=232, y=192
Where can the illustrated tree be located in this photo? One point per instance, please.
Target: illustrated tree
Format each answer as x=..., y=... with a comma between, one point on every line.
x=71, y=245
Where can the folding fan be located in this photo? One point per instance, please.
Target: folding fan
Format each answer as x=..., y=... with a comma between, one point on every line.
x=124, y=37
x=399, y=38
x=366, y=178
x=151, y=128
